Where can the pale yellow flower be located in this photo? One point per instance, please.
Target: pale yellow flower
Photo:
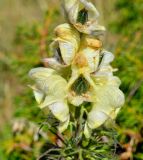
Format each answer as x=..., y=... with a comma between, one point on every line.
x=50, y=91
x=108, y=97
x=91, y=66
x=83, y=15
x=64, y=47
x=84, y=64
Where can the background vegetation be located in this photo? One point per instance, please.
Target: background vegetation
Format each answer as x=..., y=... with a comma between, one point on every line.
x=26, y=29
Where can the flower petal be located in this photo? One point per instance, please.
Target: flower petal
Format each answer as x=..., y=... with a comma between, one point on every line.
x=38, y=96
x=63, y=125
x=50, y=91
x=50, y=99
x=60, y=110
x=68, y=51
x=104, y=69
x=96, y=118
x=92, y=29
x=108, y=57
x=52, y=86
x=54, y=64
x=108, y=97
x=114, y=114
x=72, y=9
x=92, y=57
x=93, y=12
x=66, y=44
x=41, y=73
x=76, y=100
x=89, y=54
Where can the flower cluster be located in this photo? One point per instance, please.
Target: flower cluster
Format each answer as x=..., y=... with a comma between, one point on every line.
x=79, y=72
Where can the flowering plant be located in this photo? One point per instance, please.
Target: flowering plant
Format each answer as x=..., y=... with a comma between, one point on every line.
x=78, y=88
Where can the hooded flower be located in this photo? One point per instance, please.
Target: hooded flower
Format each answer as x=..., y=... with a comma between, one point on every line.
x=83, y=15
x=81, y=85
x=108, y=97
x=64, y=47
x=50, y=91
x=91, y=81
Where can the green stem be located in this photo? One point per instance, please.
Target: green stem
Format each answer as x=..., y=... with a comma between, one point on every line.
x=81, y=118
x=80, y=154
x=70, y=154
x=47, y=152
x=80, y=123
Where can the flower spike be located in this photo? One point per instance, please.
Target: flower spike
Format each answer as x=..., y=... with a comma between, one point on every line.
x=78, y=87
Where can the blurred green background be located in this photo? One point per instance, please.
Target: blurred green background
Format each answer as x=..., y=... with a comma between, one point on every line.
x=26, y=30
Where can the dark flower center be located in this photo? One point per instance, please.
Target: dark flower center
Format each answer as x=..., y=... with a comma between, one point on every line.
x=59, y=56
x=80, y=86
x=82, y=16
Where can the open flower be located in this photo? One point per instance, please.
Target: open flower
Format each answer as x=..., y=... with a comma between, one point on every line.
x=50, y=91
x=64, y=47
x=83, y=15
x=81, y=85
x=108, y=97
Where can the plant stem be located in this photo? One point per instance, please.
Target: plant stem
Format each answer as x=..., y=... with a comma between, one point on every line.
x=80, y=154
x=47, y=152
x=80, y=122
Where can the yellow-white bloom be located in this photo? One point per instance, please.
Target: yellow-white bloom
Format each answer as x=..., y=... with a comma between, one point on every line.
x=84, y=64
x=64, y=47
x=83, y=15
x=50, y=91
x=108, y=97
x=79, y=70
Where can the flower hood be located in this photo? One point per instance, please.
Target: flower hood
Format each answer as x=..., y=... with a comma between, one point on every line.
x=50, y=91
x=64, y=47
x=108, y=97
x=85, y=62
x=83, y=15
